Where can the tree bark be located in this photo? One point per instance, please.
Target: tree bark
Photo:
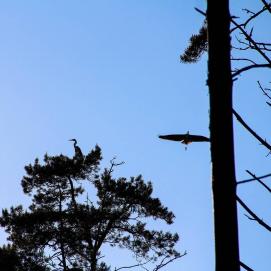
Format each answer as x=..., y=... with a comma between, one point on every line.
x=221, y=130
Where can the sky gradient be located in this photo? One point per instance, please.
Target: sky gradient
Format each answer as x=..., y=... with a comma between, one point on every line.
x=108, y=73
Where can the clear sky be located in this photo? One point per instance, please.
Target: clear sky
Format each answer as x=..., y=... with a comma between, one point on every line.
x=108, y=72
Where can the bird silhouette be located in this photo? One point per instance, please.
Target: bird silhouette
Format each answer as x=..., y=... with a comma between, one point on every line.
x=185, y=138
x=77, y=150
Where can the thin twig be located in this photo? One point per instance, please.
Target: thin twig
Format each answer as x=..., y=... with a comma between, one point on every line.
x=249, y=38
x=254, y=216
x=263, y=90
x=132, y=266
x=163, y=263
x=243, y=59
x=254, y=15
x=200, y=11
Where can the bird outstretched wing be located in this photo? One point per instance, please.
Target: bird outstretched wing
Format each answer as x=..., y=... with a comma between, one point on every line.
x=199, y=138
x=174, y=137
x=185, y=138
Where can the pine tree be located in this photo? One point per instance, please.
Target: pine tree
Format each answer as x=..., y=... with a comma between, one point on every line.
x=69, y=229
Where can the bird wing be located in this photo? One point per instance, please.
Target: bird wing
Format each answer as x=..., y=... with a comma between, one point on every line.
x=185, y=138
x=175, y=137
x=198, y=138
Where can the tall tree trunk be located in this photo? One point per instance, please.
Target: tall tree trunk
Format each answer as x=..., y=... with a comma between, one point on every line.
x=221, y=129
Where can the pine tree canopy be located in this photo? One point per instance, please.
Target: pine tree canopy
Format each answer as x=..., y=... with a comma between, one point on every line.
x=65, y=229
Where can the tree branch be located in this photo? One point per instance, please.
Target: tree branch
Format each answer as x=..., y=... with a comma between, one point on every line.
x=260, y=139
x=253, y=215
x=243, y=59
x=245, y=266
x=132, y=266
x=249, y=38
x=261, y=182
x=254, y=179
x=253, y=16
x=163, y=263
x=268, y=6
x=263, y=90
x=250, y=67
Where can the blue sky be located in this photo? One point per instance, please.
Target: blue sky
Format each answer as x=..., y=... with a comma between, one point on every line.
x=108, y=72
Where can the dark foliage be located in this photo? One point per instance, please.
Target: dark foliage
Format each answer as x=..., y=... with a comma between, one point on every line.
x=9, y=260
x=12, y=260
x=67, y=233
x=197, y=46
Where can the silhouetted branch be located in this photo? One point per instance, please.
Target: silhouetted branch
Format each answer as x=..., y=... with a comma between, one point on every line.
x=248, y=11
x=132, y=266
x=251, y=67
x=245, y=266
x=253, y=215
x=164, y=263
x=268, y=6
x=263, y=90
x=253, y=16
x=254, y=179
x=264, y=46
x=201, y=12
x=113, y=164
x=261, y=182
x=244, y=59
x=238, y=117
x=249, y=38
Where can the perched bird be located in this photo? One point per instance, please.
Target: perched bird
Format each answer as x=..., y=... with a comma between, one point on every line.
x=77, y=150
x=185, y=138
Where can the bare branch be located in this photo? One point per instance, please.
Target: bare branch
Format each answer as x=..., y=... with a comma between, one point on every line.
x=268, y=6
x=201, y=12
x=261, y=182
x=263, y=90
x=254, y=216
x=254, y=179
x=263, y=141
x=245, y=266
x=248, y=11
x=132, y=266
x=251, y=67
x=264, y=43
x=254, y=15
x=249, y=38
x=249, y=217
x=243, y=59
x=164, y=263
x=114, y=164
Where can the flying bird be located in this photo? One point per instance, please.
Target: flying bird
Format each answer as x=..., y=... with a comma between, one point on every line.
x=185, y=138
x=77, y=150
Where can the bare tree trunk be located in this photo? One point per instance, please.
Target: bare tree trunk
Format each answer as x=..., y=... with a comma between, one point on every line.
x=221, y=129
